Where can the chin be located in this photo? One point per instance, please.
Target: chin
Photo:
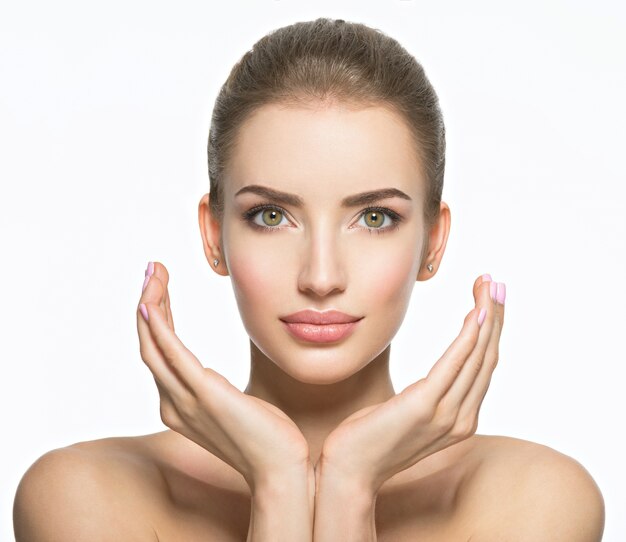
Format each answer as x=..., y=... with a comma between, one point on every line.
x=320, y=365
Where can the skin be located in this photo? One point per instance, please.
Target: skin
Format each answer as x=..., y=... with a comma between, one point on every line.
x=325, y=254
x=319, y=426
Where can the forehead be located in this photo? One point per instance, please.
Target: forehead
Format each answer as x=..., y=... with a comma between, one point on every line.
x=336, y=149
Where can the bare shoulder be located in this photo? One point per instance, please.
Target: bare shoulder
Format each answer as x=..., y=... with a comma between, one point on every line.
x=98, y=490
x=524, y=491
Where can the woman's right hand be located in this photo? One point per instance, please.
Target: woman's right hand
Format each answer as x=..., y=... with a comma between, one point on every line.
x=253, y=436
x=378, y=441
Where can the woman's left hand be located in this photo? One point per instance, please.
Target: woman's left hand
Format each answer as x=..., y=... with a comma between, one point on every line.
x=440, y=410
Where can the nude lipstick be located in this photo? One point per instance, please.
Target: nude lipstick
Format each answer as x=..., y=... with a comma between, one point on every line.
x=320, y=327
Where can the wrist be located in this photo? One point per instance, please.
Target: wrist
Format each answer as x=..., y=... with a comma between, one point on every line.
x=344, y=509
x=339, y=480
x=281, y=486
x=339, y=485
x=282, y=509
x=277, y=480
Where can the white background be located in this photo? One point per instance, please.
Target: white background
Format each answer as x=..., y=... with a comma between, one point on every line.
x=104, y=116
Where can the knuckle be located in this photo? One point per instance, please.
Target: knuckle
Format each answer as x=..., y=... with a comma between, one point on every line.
x=169, y=415
x=186, y=410
x=494, y=363
x=467, y=345
x=416, y=389
x=143, y=354
x=476, y=365
x=143, y=351
x=427, y=415
x=420, y=401
x=469, y=339
x=457, y=366
x=445, y=426
x=466, y=427
x=445, y=418
x=172, y=356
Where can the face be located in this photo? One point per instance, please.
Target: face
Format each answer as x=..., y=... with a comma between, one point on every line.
x=322, y=247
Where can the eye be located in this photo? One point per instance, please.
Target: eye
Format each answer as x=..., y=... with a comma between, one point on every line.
x=269, y=217
x=375, y=219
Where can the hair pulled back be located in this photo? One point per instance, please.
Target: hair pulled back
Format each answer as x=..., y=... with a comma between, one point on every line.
x=326, y=61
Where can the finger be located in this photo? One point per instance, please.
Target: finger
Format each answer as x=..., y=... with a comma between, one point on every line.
x=168, y=310
x=447, y=369
x=150, y=353
x=443, y=374
x=478, y=283
x=163, y=275
x=178, y=357
x=474, y=362
x=473, y=400
x=160, y=271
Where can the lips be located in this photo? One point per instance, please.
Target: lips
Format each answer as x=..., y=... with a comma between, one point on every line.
x=320, y=318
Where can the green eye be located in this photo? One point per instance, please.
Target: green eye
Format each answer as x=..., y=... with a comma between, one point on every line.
x=271, y=217
x=380, y=219
x=374, y=219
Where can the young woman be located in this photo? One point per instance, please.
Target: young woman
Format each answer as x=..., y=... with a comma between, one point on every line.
x=326, y=165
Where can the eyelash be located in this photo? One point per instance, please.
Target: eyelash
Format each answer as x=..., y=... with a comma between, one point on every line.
x=249, y=215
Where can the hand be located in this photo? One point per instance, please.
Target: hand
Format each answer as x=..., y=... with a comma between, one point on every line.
x=376, y=442
x=253, y=436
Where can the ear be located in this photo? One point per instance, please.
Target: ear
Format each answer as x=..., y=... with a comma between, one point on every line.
x=211, y=236
x=437, y=239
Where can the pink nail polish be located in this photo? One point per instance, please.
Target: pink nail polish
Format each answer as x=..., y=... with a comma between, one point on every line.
x=149, y=269
x=493, y=290
x=481, y=316
x=145, y=283
x=501, y=294
x=144, y=311
x=487, y=277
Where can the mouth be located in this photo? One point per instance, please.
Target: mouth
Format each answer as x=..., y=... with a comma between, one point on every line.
x=320, y=318
x=321, y=327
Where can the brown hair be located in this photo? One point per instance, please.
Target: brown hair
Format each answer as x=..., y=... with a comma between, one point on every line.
x=322, y=61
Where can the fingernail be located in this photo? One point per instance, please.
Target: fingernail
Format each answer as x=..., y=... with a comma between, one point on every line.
x=493, y=290
x=145, y=282
x=481, y=316
x=144, y=311
x=149, y=269
x=501, y=294
x=487, y=277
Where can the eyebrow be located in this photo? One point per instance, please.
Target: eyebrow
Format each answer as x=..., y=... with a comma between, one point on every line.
x=356, y=200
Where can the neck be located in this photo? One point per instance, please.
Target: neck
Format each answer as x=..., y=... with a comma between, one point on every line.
x=318, y=409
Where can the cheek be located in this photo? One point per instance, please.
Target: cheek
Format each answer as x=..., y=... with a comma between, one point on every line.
x=380, y=276
x=258, y=275
x=388, y=268
x=390, y=277
x=262, y=269
x=385, y=292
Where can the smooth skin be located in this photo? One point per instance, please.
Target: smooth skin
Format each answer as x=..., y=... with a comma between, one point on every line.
x=261, y=442
x=319, y=446
x=367, y=448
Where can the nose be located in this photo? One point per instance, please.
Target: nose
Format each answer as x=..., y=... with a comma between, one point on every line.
x=321, y=265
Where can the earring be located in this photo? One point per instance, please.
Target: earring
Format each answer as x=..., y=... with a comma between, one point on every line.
x=430, y=267
x=215, y=262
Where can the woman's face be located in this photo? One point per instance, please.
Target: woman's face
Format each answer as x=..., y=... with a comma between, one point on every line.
x=318, y=252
